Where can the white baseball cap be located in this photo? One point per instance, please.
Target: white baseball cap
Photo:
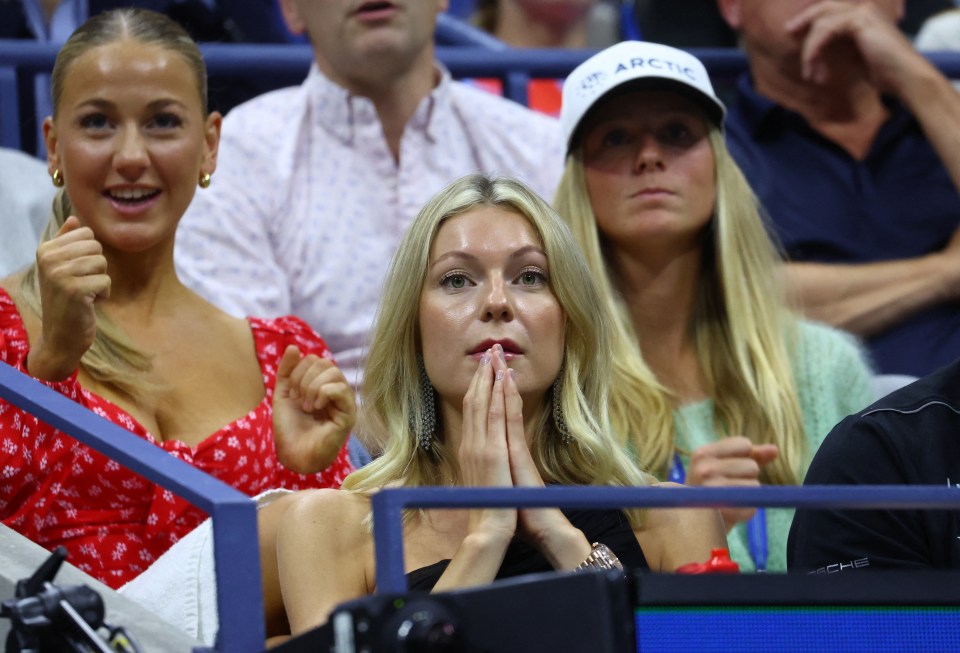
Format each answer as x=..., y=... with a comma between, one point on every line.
x=639, y=63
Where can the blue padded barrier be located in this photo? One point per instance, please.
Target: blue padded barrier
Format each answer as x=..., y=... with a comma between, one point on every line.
x=388, y=506
x=239, y=593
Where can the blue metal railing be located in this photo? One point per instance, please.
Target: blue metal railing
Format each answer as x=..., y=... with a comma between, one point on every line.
x=474, y=56
x=285, y=65
x=239, y=594
x=388, y=506
x=239, y=597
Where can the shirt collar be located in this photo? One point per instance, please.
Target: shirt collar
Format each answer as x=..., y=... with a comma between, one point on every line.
x=762, y=115
x=341, y=112
x=757, y=110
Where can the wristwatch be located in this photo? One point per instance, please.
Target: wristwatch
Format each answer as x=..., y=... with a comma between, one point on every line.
x=601, y=557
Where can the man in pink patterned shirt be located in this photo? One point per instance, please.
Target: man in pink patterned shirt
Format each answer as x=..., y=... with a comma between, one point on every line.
x=317, y=183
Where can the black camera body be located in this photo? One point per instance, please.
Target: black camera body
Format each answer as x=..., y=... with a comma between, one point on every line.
x=603, y=612
x=559, y=611
x=49, y=618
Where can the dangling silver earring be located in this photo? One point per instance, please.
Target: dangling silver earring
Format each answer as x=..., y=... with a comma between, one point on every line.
x=426, y=430
x=558, y=420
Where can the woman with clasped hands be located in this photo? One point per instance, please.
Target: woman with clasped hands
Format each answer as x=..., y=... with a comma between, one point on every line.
x=102, y=318
x=489, y=367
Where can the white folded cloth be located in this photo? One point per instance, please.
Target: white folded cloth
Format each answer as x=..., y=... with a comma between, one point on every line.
x=181, y=587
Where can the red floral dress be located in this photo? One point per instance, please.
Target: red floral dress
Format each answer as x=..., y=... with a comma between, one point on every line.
x=113, y=522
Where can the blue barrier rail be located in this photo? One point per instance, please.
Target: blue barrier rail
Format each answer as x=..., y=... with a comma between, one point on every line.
x=388, y=506
x=239, y=597
x=285, y=65
x=239, y=593
x=234, y=517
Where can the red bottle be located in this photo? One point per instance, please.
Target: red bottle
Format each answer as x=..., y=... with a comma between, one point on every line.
x=719, y=563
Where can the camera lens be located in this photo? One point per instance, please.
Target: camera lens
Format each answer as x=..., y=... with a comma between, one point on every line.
x=427, y=629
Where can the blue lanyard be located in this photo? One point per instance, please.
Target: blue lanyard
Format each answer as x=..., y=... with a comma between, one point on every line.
x=756, y=526
x=757, y=539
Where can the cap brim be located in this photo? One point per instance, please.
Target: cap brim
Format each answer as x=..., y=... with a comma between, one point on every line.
x=713, y=110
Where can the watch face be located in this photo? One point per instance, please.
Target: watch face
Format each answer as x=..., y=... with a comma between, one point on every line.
x=601, y=557
x=607, y=557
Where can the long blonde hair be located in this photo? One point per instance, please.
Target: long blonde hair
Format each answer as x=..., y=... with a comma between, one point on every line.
x=391, y=392
x=112, y=359
x=742, y=329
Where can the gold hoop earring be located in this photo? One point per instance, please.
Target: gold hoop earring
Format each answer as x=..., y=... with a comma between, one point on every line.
x=57, y=178
x=205, y=180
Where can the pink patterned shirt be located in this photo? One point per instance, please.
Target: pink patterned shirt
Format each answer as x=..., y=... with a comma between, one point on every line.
x=113, y=522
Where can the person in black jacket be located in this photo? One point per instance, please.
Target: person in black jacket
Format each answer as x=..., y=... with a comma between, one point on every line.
x=910, y=437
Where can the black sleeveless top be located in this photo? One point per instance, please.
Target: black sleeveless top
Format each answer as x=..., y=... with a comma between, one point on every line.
x=609, y=527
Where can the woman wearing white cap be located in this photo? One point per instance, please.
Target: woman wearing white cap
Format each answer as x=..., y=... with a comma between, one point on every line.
x=717, y=381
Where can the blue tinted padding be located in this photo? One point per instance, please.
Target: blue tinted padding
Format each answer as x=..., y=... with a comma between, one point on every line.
x=833, y=630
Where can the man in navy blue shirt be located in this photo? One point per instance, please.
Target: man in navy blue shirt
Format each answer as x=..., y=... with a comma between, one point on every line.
x=851, y=140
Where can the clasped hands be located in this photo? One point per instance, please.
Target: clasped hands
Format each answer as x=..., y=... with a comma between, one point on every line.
x=494, y=453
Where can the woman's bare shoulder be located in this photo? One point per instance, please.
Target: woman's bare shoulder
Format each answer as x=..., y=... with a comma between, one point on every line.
x=11, y=284
x=337, y=509
x=328, y=499
x=323, y=543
